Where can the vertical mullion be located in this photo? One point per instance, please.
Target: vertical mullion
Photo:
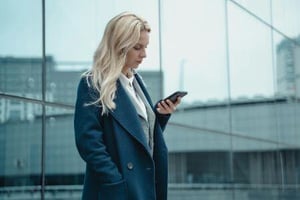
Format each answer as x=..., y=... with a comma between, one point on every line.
x=43, y=103
x=160, y=49
x=231, y=154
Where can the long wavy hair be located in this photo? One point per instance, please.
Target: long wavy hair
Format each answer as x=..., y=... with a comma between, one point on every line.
x=121, y=34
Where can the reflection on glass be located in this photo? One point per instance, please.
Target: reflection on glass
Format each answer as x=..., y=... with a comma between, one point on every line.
x=20, y=149
x=286, y=17
x=21, y=28
x=21, y=76
x=21, y=48
x=198, y=140
x=256, y=162
x=63, y=164
x=194, y=56
x=286, y=54
x=250, y=54
x=61, y=86
x=260, y=8
x=71, y=38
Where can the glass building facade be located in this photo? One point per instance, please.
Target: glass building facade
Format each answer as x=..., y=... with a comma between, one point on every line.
x=236, y=135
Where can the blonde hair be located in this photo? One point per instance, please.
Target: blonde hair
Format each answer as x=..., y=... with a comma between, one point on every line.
x=121, y=34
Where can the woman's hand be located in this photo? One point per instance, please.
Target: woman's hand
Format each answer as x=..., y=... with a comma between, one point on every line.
x=167, y=106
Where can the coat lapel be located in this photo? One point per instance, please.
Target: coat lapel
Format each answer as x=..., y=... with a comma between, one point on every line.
x=150, y=113
x=142, y=85
x=125, y=113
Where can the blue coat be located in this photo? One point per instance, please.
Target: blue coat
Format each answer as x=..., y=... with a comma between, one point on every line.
x=119, y=165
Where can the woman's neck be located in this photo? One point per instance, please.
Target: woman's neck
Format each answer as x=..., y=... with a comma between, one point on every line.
x=128, y=73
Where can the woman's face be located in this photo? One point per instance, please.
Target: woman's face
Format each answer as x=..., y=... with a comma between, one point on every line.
x=136, y=55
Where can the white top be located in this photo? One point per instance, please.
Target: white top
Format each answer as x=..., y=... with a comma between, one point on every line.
x=127, y=83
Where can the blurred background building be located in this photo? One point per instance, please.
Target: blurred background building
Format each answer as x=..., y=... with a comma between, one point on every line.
x=235, y=136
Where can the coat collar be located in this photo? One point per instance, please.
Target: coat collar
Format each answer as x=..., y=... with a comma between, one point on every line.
x=125, y=113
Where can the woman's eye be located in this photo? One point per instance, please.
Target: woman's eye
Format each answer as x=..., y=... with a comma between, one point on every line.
x=137, y=48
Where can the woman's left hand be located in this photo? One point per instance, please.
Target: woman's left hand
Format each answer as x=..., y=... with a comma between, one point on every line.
x=167, y=106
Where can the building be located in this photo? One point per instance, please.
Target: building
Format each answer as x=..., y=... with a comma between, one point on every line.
x=288, y=68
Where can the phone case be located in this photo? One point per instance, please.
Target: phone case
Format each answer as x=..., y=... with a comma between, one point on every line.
x=173, y=97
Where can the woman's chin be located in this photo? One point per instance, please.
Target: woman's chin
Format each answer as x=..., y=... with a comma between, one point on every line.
x=135, y=66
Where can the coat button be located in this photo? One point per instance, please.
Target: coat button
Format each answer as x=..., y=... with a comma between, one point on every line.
x=130, y=165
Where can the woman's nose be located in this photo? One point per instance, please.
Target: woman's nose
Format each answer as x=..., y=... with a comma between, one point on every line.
x=143, y=53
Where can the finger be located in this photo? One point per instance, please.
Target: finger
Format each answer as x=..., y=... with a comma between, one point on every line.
x=170, y=103
x=177, y=101
x=161, y=107
x=167, y=106
x=171, y=107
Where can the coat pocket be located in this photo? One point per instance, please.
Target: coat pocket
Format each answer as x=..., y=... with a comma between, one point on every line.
x=113, y=191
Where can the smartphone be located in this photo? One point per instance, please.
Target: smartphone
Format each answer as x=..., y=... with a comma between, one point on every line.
x=173, y=97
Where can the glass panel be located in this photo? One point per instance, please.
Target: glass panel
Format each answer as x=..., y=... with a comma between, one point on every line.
x=72, y=38
x=198, y=148
x=286, y=57
x=20, y=154
x=286, y=53
x=64, y=167
x=204, y=117
x=61, y=84
x=21, y=48
x=250, y=53
x=257, y=169
x=197, y=192
x=260, y=8
x=256, y=164
x=255, y=119
x=286, y=17
x=270, y=176
x=287, y=62
x=197, y=136
x=194, y=56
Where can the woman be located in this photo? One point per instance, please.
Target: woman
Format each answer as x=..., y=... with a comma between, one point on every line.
x=118, y=131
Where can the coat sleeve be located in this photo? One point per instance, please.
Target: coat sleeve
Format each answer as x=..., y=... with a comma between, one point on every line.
x=161, y=118
x=89, y=136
